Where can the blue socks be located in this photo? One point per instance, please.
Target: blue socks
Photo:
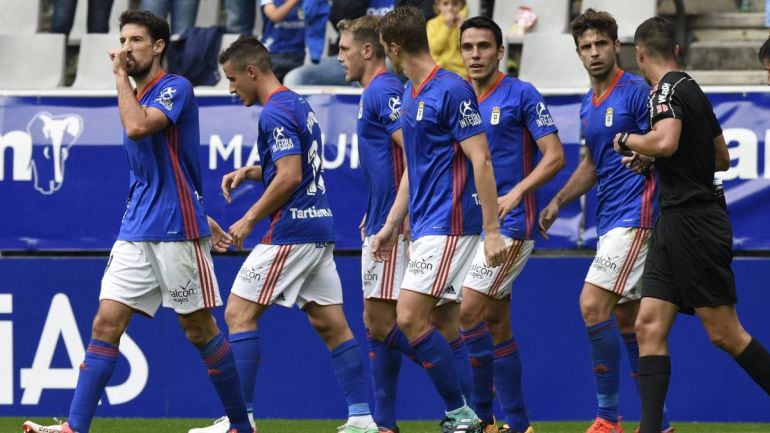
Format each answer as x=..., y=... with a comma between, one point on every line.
x=480, y=348
x=246, y=351
x=224, y=376
x=95, y=371
x=349, y=369
x=632, y=348
x=605, y=353
x=386, y=363
x=397, y=340
x=507, y=371
x=463, y=366
x=437, y=359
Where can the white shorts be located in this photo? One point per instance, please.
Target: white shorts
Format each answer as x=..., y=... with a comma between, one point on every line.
x=497, y=282
x=180, y=275
x=290, y=274
x=619, y=262
x=382, y=280
x=438, y=264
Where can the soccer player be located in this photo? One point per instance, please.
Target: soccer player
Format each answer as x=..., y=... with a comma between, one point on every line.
x=293, y=263
x=517, y=123
x=688, y=266
x=165, y=237
x=451, y=195
x=626, y=209
x=382, y=160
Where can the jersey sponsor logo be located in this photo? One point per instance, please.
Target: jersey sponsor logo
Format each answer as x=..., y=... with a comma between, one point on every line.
x=361, y=108
x=420, y=108
x=608, y=117
x=470, y=117
x=370, y=278
x=495, y=119
x=543, y=116
x=665, y=88
x=311, y=121
x=166, y=98
x=604, y=264
x=661, y=108
x=182, y=294
x=450, y=290
x=394, y=104
x=248, y=275
x=281, y=142
x=311, y=212
x=40, y=152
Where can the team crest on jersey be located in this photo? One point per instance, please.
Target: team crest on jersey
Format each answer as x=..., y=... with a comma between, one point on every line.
x=394, y=103
x=470, y=117
x=361, y=108
x=280, y=141
x=608, y=117
x=166, y=97
x=495, y=119
x=420, y=108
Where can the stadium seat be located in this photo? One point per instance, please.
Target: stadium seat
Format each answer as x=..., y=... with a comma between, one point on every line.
x=627, y=14
x=552, y=15
x=227, y=39
x=94, y=66
x=208, y=13
x=19, y=16
x=80, y=27
x=549, y=60
x=37, y=61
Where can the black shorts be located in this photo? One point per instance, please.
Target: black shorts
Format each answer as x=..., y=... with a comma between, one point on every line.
x=689, y=259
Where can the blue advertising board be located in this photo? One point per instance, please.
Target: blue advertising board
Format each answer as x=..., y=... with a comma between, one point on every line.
x=64, y=176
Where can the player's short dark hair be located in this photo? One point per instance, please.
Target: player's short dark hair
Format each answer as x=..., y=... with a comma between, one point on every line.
x=245, y=51
x=658, y=38
x=405, y=26
x=364, y=31
x=599, y=21
x=764, y=52
x=157, y=27
x=483, y=23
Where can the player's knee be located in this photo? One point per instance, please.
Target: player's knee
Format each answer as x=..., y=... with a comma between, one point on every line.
x=411, y=324
x=592, y=311
x=470, y=317
x=379, y=326
x=107, y=329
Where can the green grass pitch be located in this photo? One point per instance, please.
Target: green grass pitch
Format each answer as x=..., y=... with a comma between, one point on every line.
x=175, y=425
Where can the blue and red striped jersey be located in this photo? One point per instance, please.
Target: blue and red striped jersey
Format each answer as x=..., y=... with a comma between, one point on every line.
x=165, y=195
x=515, y=115
x=288, y=126
x=382, y=160
x=625, y=199
x=435, y=117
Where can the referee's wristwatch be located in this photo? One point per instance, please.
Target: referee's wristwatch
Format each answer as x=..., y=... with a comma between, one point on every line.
x=622, y=142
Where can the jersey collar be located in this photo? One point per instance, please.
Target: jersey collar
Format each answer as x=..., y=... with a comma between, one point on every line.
x=598, y=101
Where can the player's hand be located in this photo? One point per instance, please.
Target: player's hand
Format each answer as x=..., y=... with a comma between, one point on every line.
x=240, y=231
x=362, y=228
x=220, y=240
x=507, y=202
x=547, y=218
x=384, y=242
x=119, y=57
x=230, y=181
x=494, y=248
x=638, y=163
x=616, y=145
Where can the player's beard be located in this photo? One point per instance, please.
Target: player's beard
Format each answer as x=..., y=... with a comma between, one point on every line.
x=139, y=71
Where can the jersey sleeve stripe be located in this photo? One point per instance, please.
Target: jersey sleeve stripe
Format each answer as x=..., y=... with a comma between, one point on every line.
x=530, y=206
x=459, y=177
x=267, y=239
x=185, y=198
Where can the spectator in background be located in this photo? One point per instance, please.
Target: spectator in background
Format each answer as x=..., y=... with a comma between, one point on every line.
x=241, y=16
x=328, y=71
x=183, y=12
x=283, y=34
x=444, y=34
x=64, y=16
x=426, y=6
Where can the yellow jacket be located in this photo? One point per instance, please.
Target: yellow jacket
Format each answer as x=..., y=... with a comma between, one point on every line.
x=445, y=44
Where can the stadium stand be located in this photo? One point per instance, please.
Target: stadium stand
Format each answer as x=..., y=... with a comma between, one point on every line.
x=79, y=26
x=549, y=60
x=19, y=16
x=628, y=15
x=94, y=71
x=227, y=39
x=37, y=59
x=208, y=13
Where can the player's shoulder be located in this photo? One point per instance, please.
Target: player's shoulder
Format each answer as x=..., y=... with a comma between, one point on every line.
x=176, y=81
x=631, y=83
x=384, y=84
x=447, y=79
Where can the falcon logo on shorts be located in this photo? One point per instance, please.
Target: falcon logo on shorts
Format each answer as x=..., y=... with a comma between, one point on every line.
x=394, y=103
x=248, y=275
x=470, y=117
x=181, y=294
x=479, y=271
x=604, y=264
x=420, y=266
x=166, y=98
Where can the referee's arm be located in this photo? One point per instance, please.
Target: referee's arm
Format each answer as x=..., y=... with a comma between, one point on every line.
x=721, y=155
x=661, y=141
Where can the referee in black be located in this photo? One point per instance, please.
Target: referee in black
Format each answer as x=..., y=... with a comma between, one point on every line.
x=688, y=267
